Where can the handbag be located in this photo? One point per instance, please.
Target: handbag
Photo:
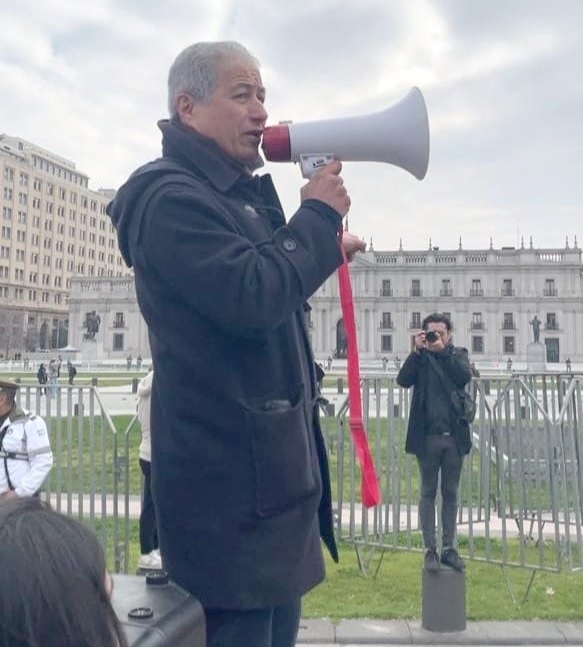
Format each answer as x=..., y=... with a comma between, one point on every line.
x=463, y=403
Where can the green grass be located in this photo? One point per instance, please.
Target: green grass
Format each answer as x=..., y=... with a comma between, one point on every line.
x=395, y=593
x=83, y=378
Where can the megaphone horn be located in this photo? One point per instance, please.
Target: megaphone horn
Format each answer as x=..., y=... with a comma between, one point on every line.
x=398, y=135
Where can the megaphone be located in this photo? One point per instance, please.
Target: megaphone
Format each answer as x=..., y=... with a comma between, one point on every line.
x=398, y=135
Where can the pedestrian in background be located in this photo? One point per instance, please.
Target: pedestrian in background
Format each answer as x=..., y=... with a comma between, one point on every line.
x=42, y=377
x=149, y=552
x=53, y=378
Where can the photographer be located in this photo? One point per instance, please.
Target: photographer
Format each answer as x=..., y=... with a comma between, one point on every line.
x=436, y=434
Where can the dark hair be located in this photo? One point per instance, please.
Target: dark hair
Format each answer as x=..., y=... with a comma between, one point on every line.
x=52, y=581
x=436, y=317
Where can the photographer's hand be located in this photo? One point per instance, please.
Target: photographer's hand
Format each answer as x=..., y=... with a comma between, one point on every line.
x=419, y=341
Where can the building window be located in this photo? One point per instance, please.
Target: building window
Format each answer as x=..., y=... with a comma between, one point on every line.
x=477, y=344
x=507, y=290
x=550, y=289
x=415, y=287
x=446, y=290
x=386, y=322
x=477, y=322
x=415, y=320
x=119, y=322
x=387, y=343
x=118, y=341
x=508, y=321
x=386, y=288
x=508, y=345
x=552, y=323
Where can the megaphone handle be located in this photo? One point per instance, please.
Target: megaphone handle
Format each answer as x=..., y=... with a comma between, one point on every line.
x=369, y=487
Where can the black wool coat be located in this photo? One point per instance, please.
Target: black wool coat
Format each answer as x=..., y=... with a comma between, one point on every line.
x=455, y=364
x=239, y=469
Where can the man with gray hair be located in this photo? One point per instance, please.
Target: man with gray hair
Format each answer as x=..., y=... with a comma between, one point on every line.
x=239, y=468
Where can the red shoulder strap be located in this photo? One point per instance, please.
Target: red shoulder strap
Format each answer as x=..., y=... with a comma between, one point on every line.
x=369, y=485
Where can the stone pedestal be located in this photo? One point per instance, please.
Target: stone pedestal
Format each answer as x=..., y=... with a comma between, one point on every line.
x=536, y=357
x=443, y=598
x=91, y=351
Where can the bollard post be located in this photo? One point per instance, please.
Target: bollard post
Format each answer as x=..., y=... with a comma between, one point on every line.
x=340, y=382
x=135, y=384
x=94, y=381
x=443, y=599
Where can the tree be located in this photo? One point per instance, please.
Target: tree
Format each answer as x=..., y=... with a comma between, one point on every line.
x=11, y=331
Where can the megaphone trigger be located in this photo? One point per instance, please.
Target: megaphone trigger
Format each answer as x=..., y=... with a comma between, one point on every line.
x=309, y=164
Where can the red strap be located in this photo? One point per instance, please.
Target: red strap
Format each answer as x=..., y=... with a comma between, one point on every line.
x=369, y=485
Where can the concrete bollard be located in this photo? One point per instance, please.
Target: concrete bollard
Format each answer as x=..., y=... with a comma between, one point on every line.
x=443, y=598
x=340, y=383
x=94, y=381
x=135, y=384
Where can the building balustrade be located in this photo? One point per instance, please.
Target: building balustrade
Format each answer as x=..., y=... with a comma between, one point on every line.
x=550, y=292
x=507, y=292
x=476, y=292
x=446, y=292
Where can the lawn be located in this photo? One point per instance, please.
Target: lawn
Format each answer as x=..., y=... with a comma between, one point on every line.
x=395, y=593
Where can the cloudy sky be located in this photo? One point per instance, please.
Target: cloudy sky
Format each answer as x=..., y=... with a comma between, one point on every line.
x=502, y=80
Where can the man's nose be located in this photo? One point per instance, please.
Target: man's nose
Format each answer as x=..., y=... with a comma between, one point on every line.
x=258, y=112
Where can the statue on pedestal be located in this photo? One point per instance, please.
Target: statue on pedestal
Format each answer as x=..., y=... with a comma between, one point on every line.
x=535, y=323
x=93, y=321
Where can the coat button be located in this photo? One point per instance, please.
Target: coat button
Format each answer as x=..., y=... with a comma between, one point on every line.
x=289, y=244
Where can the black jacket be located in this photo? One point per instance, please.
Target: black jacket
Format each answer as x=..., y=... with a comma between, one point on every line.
x=239, y=470
x=430, y=402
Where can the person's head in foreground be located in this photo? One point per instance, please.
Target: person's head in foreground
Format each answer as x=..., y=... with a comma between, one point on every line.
x=54, y=587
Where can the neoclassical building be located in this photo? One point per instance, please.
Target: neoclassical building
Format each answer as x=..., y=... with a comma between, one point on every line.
x=492, y=296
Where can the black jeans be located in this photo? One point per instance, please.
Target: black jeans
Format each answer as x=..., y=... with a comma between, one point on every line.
x=148, y=527
x=270, y=627
x=440, y=454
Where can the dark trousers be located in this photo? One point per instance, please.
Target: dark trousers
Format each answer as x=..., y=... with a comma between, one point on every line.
x=271, y=627
x=440, y=454
x=148, y=528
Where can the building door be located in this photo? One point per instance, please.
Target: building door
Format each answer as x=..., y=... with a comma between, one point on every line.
x=552, y=344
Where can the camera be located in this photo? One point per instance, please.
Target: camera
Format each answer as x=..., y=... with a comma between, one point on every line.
x=431, y=336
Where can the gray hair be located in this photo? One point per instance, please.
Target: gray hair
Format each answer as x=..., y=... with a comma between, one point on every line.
x=194, y=71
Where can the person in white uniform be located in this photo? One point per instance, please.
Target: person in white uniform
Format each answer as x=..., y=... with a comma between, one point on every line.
x=25, y=451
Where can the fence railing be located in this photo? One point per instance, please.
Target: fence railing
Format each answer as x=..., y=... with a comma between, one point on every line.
x=520, y=498
x=520, y=493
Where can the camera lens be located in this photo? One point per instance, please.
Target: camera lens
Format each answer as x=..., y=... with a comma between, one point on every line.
x=431, y=336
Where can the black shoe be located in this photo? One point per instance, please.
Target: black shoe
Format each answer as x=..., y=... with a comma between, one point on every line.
x=450, y=557
x=431, y=560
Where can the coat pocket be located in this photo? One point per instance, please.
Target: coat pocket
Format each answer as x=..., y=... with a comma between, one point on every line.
x=284, y=473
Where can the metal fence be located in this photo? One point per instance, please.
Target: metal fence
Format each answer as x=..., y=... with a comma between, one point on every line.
x=90, y=478
x=520, y=492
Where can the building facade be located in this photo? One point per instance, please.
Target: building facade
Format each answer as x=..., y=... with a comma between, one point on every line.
x=104, y=319
x=492, y=295
x=52, y=228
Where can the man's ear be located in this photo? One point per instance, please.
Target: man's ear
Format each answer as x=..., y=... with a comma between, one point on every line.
x=185, y=107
